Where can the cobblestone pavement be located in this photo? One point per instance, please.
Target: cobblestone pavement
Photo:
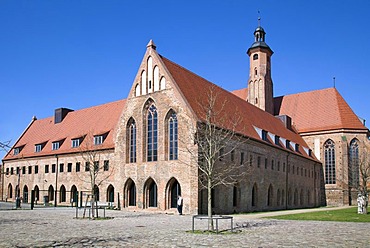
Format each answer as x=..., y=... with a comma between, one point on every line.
x=52, y=227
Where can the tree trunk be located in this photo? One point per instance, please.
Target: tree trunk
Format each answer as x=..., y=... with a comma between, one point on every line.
x=210, y=221
x=92, y=205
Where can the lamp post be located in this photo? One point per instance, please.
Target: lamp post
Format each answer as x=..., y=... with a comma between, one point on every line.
x=56, y=182
x=18, y=197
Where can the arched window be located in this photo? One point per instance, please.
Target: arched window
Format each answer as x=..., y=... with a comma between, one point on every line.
x=62, y=196
x=353, y=165
x=152, y=134
x=131, y=144
x=255, y=56
x=172, y=137
x=130, y=193
x=110, y=193
x=329, y=150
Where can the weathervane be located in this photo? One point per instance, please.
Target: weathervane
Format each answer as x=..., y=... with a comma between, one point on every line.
x=259, y=18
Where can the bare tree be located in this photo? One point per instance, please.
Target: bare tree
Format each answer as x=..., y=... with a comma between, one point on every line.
x=96, y=163
x=217, y=140
x=359, y=173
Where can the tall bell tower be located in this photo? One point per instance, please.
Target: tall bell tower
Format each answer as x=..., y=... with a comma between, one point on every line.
x=260, y=87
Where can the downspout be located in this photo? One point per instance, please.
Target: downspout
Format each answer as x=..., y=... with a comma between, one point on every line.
x=286, y=180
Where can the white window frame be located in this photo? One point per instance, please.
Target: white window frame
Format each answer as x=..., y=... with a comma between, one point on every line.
x=55, y=145
x=75, y=143
x=98, y=139
x=38, y=148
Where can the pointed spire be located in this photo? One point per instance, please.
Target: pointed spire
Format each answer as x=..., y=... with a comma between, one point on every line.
x=151, y=45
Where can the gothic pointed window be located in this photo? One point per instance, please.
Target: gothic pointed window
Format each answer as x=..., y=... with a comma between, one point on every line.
x=353, y=166
x=131, y=134
x=329, y=150
x=173, y=137
x=152, y=134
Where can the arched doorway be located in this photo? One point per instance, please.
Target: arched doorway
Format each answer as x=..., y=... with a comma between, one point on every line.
x=254, y=195
x=150, y=193
x=96, y=193
x=25, y=194
x=10, y=191
x=62, y=194
x=130, y=193
x=173, y=190
x=270, y=193
x=51, y=193
x=110, y=193
x=74, y=195
x=37, y=193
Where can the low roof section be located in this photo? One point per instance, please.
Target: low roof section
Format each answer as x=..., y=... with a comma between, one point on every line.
x=97, y=120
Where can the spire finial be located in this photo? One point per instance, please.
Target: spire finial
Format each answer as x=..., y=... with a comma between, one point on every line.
x=334, y=81
x=151, y=45
x=259, y=18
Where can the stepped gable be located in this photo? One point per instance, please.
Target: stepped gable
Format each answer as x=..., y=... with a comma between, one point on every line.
x=195, y=90
x=319, y=110
x=91, y=121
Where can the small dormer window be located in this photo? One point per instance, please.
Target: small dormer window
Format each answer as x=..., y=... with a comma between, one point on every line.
x=75, y=143
x=38, y=148
x=98, y=139
x=310, y=152
x=264, y=135
x=16, y=150
x=287, y=144
x=55, y=145
x=277, y=140
x=297, y=147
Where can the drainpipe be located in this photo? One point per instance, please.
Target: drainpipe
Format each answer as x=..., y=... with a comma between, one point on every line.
x=56, y=182
x=286, y=180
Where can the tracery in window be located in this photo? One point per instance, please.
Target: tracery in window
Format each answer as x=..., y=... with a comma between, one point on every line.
x=329, y=150
x=152, y=134
x=353, y=165
x=173, y=137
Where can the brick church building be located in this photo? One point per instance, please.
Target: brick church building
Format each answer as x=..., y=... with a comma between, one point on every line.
x=298, y=147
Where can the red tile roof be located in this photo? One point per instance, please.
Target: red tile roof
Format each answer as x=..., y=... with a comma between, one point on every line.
x=195, y=90
x=313, y=111
x=90, y=121
x=318, y=110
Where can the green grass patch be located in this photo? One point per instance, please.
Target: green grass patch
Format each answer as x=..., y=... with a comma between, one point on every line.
x=342, y=215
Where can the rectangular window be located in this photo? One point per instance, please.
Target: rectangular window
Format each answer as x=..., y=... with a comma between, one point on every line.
x=69, y=167
x=18, y=171
x=283, y=167
x=75, y=143
x=98, y=140
x=36, y=169
x=258, y=161
x=278, y=167
x=96, y=165
x=46, y=168
x=38, y=148
x=61, y=167
x=106, y=165
x=78, y=166
x=287, y=144
x=11, y=171
x=297, y=147
x=7, y=171
x=265, y=163
x=24, y=170
x=55, y=145
x=29, y=169
x=242, y=158
x=272, y=164
x=87, y=166
x=53, y=166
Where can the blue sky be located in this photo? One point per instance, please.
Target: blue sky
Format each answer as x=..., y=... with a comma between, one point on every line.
x=78, y=54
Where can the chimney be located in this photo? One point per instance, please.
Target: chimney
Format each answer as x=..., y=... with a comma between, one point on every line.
x=286, y=120
x=60, y=114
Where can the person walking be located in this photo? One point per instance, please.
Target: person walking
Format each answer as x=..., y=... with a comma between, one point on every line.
x=179, y=204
